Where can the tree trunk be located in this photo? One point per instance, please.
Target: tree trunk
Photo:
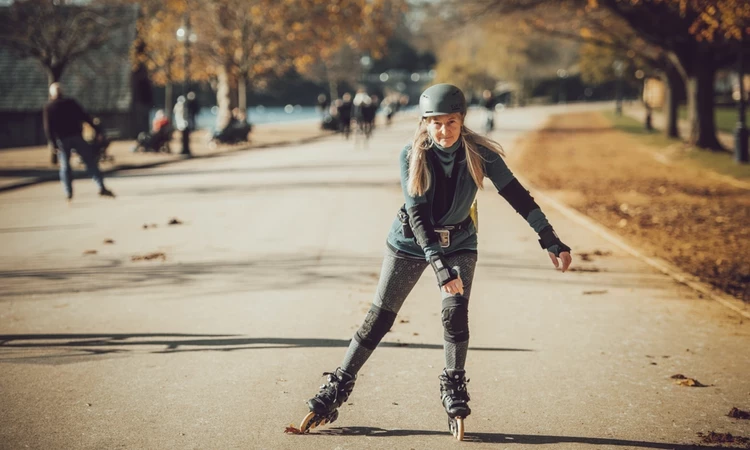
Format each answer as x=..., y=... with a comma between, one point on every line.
x=671, y=101
x=333, y=86
x=222, y=99
x=168, y=99
x=242, y=93
x=54, y=73
x=700, y=87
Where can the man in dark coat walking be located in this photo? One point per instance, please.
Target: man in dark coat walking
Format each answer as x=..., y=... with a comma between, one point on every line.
x=63, y=123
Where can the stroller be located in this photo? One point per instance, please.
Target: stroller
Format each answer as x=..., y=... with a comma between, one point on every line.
x=154, y=142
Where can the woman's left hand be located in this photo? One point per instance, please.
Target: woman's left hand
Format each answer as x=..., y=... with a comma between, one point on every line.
x=564, y=257
x=454, y=287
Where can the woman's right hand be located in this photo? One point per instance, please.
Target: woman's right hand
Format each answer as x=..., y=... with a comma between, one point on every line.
x=454, y=287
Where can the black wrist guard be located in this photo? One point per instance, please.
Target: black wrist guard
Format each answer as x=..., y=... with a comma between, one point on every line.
x=549, y=241
x=442, y=270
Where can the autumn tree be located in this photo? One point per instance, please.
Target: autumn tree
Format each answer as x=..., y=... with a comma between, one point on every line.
x=343, y=32
x=158, y=48
x=695, y=36
x=57, y=33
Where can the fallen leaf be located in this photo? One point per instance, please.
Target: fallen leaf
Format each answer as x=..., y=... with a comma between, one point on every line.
x=291, y=429
x=722, y=438
x=584, y=269
x=90, y=252
x=584, y=256
x=737, y=413
x=149, y=257
x=403, y=321
x=691, y=382
x=109, y=241
x=595, y=292
x=174, y=221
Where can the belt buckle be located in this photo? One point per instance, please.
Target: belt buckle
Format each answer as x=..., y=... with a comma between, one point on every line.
x=444, y=236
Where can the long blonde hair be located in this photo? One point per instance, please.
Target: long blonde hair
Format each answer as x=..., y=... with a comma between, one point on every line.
x=419, y=175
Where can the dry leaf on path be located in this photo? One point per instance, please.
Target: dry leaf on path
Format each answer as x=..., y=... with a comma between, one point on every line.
x=682, y=380
x=109, y=241
x=722, y=438
x=584, y=269
x=595, y=292
x=149, y=257
x=291, y=429
x=737, y=413
x=90, y=252
x=174, y=221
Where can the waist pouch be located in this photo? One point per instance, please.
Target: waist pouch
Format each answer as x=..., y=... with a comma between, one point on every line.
x=443, y=231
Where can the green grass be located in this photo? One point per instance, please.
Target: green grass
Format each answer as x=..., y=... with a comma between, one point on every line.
x=720, y=162
x=725, y=116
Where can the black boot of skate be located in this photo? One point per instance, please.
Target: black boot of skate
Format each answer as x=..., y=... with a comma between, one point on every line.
x=324, y=406
x=455, y=399
x=453, y=393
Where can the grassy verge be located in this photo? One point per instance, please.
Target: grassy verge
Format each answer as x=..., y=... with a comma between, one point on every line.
x=725, y=116
x=719, y=162
x=650, y=190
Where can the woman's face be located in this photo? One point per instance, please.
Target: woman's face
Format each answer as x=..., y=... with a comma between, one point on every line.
x=445, y=129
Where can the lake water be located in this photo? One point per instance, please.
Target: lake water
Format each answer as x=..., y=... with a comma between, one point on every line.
x=259, y=115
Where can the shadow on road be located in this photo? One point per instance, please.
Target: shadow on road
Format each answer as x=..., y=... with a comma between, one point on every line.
x=283, y=272
x=160, y=343
x=508, y=439
x=280, y=186
x=324, y=165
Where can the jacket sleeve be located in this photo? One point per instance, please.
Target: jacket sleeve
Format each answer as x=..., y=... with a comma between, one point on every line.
x=513, y=192
x=420, y=212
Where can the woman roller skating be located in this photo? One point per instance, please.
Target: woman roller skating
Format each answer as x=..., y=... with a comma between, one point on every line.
x=441, y=171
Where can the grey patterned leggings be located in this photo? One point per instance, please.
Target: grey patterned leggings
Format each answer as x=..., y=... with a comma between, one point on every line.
x=398, y=277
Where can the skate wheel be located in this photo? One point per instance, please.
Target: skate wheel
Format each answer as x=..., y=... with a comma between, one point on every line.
x=457, y=428
x=305, y=425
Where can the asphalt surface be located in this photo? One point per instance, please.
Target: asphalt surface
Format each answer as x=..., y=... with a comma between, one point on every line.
x=217, y=344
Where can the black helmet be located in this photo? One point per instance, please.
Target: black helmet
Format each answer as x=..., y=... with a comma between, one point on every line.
x=442, y=99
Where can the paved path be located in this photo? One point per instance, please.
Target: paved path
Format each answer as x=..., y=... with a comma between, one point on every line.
x=24, y=166
x=269, y=275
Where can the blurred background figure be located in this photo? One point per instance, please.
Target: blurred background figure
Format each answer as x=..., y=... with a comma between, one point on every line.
x=180, y=113
x=344, y=109
x=159, y=137
x=63, y=123
x=236, y=131
x=361, y=106
x=322, y=105
x=487, y=103
x=193, y=108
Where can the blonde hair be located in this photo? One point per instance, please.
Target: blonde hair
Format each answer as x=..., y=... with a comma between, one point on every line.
x=419, y=175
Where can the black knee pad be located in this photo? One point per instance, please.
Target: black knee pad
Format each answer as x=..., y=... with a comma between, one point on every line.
x=377, y=322
x=456, y=319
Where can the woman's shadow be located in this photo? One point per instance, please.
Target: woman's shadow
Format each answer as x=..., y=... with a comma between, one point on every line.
x=503, y=438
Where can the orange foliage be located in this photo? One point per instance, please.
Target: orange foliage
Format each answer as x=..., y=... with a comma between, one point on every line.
x=255, y=39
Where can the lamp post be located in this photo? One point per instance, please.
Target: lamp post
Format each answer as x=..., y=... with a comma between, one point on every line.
x=187, y=37
x=740, y=132
x=366, y=63
x=619, y=67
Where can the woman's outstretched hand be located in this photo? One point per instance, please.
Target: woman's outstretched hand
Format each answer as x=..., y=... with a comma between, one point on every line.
x=564, y=257
x=455, y=287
